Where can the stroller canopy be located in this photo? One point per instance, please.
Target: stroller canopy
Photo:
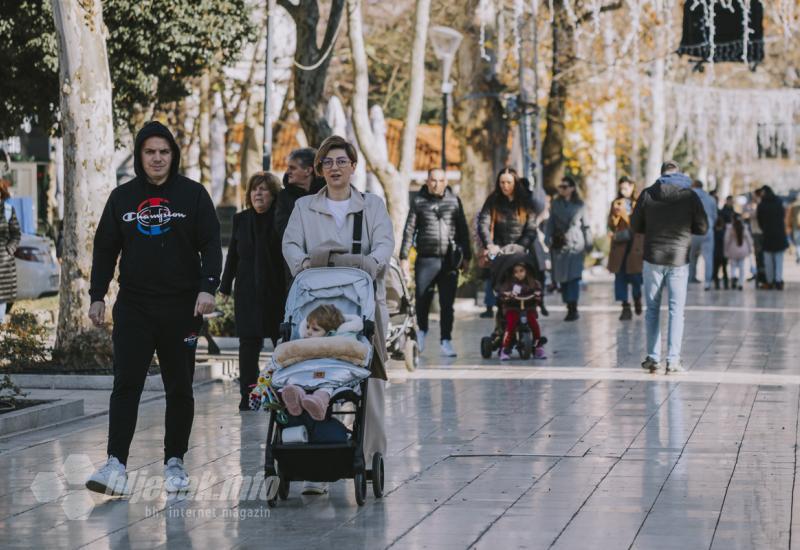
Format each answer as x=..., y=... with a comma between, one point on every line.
x=348, y=288
x=502, y=265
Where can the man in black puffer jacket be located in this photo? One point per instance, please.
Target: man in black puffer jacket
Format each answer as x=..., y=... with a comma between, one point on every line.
x=437, y=227
x=668, y=213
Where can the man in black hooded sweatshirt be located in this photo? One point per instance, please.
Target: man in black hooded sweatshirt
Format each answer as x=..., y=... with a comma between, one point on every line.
x=166, y=230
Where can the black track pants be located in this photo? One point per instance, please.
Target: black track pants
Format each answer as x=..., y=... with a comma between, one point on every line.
x=140, y=329
x=429, y=274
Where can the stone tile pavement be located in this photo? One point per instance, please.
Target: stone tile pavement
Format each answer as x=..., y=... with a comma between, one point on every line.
x=581, y=450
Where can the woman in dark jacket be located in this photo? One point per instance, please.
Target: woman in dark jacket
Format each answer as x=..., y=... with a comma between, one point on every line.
x=771, y=215
x=506, y=218
x=626, y=255
x=569, y=238
x=255, y=261
x=9, y=240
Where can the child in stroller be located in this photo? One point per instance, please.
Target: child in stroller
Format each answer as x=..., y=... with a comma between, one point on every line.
x=516, y=322
x=324, y=321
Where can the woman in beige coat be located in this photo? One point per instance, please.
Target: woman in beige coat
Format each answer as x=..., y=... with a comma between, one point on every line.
x=320, y=232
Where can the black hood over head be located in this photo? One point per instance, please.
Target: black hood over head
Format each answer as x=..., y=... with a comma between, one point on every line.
x=155, y=129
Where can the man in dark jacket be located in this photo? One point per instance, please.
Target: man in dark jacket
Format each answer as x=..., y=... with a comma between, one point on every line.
x=299, y=181
x=166, y=230
x=437, y=227
x=668, y=213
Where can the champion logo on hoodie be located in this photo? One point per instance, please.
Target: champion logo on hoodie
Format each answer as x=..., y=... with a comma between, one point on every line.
x=152, y=216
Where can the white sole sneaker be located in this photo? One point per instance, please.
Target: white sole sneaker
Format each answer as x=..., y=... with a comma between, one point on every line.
x=315, y=488
x=115, y=488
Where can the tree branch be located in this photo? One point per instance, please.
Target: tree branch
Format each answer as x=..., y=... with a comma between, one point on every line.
x=335, y=17
x=289, y=7
x=590, y=14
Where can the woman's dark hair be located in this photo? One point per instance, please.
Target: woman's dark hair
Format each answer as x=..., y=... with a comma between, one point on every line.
x=738, y=229
x=334, y=142
x=4, y=192
x=626, y=179
x=574, y=197
x=266, y=178
x=767, y=193
x=519, y=190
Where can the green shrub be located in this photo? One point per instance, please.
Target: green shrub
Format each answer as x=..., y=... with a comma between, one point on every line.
x=91, y=352
x=23, y=342
x=225, y=325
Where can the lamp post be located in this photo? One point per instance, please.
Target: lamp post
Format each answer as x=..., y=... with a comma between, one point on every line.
x=445, y=42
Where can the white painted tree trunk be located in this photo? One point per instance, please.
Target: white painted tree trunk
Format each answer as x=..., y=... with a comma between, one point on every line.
x=88, y=132
x=395, y=183
x=658, y=128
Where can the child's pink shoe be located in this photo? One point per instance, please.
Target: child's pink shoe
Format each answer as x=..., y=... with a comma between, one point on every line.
x=316, y=404
x=504, y=356
x=539, y=353
x=292, y=395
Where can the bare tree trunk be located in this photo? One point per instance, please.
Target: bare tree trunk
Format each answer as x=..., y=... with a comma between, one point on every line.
x=205, y=130
x=556, y=112
x=478, y=116
x=88, y=131
x=309, y=85
x=414, y=112
x=395, y=184
x=658, y=128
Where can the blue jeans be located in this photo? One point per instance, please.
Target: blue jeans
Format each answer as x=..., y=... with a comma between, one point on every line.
x=621, y=282
x=676, y=280
x=2, y=312
x=773, y=266
x=702, y=245
x=571, y=291
x=489, y=299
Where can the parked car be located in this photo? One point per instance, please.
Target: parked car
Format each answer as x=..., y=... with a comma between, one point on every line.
x=38, y=270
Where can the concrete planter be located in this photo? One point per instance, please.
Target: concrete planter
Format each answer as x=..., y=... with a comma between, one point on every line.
x=203, y=372
x=40, y=415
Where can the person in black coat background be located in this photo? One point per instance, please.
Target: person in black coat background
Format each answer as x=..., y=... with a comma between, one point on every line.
x=255, y=261
x=437, y=228
x=771, y=216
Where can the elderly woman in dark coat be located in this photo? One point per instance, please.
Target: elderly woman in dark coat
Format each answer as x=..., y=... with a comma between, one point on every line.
x=569, y=238
x=255, y=261
x=507, y=217
x=9, y=240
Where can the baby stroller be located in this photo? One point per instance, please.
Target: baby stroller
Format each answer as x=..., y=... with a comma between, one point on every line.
x=522, y=339
x=401, y=338
x=332, y=451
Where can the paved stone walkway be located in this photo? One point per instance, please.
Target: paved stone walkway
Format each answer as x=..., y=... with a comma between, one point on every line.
x=581, y=450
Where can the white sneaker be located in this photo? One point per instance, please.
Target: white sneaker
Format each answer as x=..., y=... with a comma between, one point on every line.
x=447, y=349
x=314, y=488
x=175, y=477
x=421, y=340
x=111, y=479
x=675, y=368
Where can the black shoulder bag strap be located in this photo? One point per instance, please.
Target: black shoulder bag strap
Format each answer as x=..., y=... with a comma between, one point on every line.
x=358, y=221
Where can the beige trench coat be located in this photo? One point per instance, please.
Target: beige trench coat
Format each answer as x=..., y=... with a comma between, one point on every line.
x=312, y=227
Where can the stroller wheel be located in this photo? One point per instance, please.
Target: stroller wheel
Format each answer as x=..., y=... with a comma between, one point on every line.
x=486, y=347
x=411, y=354
x=377, y=475
x=525, y=345
x=360, y=483
x=283, y=488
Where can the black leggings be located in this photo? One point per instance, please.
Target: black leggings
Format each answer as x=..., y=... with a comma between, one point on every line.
x=169, y=330
x=428, y=274
x=249, y=351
